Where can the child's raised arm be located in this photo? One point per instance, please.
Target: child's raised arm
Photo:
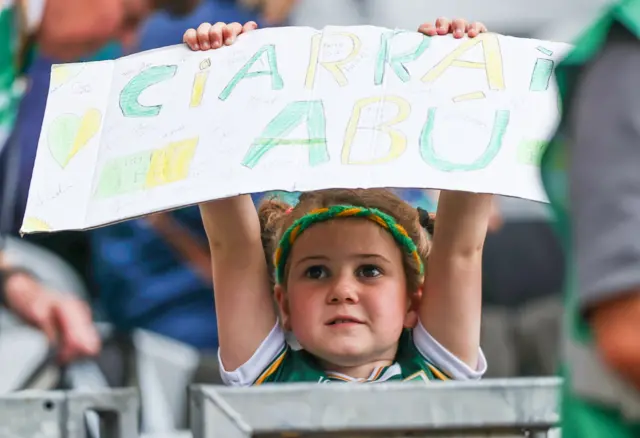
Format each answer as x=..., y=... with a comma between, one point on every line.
x=244, y=306
x=451, y=304
x=242, y=290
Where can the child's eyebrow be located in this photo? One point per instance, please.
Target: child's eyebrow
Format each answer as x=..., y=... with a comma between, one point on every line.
x=351, y=256
x=371, y=256
x=311, y=258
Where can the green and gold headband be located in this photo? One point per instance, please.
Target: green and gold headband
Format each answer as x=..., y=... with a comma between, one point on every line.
x=341, y=211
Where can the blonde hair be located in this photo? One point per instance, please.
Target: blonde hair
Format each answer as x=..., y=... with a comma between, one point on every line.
x=277, y=216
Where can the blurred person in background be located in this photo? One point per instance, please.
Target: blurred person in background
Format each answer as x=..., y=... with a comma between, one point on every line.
x=522, y=273
x=155, y=273
x=152, y=273
x=590, y=172
x=65, y=29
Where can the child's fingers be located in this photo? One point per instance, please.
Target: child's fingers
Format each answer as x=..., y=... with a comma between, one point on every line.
x=458, y=27
x=428, y=29
x=216, y=37
x=476, y=28
x=190, y=38
x=230, y=32
x=443, y=25
x=203, y=36
x=249, y=26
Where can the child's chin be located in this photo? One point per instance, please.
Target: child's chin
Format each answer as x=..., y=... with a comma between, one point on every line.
x=346, y=355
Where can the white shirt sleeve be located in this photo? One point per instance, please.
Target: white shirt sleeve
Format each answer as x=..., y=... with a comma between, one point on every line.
x=446, y=361
x=270, y=349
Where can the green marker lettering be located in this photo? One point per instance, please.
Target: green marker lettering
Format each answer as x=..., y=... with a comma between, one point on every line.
x=244, y=73
x=131, y=92
x=541, y=75
x=396, y=62
x=311, y=112
x=427, y=149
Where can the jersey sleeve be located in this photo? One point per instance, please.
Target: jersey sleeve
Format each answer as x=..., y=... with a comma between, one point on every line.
x=434, y=353
x=604, y=179
x=264, y=362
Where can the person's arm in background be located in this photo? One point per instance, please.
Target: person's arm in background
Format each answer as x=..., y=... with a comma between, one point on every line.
x=187, y=245
x=65, y=320
x=67, y=30
x=604, y=180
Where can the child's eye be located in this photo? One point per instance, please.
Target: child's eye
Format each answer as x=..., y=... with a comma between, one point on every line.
x=369, y=271
x=316, y=272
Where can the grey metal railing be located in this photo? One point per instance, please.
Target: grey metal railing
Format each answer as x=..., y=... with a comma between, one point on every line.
x=491, y=408
x=62, y=414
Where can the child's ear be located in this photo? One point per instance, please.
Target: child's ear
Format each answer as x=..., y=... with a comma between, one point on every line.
x=413, y=306
x=283, y=306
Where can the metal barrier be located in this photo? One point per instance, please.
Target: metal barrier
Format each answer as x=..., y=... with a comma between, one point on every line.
x=62, y=414
x=490, y=408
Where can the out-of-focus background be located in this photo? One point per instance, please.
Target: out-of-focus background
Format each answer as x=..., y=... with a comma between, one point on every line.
x=148, y=281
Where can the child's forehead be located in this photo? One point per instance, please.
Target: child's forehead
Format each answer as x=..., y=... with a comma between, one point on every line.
x=351, y=234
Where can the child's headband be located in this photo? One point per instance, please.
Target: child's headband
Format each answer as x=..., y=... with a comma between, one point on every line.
x=341, y=211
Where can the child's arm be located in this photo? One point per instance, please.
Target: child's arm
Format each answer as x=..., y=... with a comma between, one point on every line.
x=451, y=304
x=450, y=309
x=244, y=306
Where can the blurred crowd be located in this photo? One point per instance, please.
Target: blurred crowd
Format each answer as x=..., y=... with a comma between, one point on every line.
x=154, y=273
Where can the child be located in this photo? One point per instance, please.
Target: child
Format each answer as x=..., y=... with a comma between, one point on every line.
x=349, y=277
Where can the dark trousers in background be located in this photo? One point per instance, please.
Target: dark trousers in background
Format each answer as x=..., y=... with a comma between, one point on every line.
x=523, y=272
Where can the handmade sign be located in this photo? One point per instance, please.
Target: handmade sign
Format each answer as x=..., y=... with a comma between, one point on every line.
x=292, y=109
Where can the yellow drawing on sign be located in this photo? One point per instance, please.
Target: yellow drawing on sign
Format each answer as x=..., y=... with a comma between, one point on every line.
x=62, y=73
x=69, y=133
x=171, y=163
x=469, y=96
x=199, y=83
x=333, y=67
x=491, y=64
x=33, y=224
x=397, y=137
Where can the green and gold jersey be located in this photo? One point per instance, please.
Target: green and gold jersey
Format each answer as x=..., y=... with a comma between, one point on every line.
x=419, y=357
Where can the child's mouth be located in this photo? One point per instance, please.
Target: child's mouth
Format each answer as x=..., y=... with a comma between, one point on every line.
x=344, y=321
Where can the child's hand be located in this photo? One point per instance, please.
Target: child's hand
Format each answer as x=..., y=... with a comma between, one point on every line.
x=208, y=36
x=458, y=27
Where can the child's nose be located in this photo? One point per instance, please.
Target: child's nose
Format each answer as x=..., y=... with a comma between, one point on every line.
x=344, y=290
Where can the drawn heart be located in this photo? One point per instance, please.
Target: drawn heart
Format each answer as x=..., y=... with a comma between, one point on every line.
x=69, y=133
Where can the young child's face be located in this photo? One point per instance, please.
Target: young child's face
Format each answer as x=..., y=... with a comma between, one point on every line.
x=346, y=297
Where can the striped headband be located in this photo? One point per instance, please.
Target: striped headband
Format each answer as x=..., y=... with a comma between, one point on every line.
x=341, y=211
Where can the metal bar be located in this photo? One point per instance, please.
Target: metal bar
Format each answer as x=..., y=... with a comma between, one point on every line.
x=62, y=414
x=499, y=407
x=32, y=414
x=118, y=410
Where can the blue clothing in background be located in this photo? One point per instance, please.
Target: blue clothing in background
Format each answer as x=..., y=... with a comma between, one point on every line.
x=140, y=280
x=163, y=30
x=143, y=282
x=415, y=197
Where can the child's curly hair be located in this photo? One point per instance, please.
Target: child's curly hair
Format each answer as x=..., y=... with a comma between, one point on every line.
x=277, y=216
